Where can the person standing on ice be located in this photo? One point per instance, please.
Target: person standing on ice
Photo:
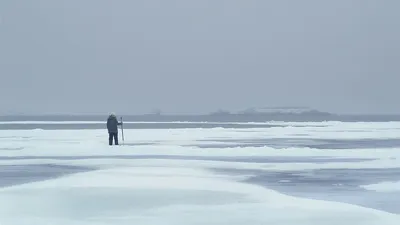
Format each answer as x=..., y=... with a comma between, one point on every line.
x=112, y=126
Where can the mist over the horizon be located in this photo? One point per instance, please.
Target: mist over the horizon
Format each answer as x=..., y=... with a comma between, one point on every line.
x=196, y=57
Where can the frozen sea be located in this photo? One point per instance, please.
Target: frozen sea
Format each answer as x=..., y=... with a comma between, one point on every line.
x=200, y=173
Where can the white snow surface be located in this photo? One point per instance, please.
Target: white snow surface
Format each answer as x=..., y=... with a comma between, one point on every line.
x=175, y=191
x=384, y=187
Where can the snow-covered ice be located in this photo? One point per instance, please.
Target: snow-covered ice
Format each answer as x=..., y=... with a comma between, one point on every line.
x=384, y=187
x=163, y=176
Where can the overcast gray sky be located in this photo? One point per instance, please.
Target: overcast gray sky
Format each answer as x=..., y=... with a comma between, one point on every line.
x=186, y=56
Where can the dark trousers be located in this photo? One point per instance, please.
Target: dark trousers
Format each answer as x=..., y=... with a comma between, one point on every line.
x=112, y=136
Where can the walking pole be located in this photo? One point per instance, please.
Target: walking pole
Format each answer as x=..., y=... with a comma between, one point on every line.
x=122, y=131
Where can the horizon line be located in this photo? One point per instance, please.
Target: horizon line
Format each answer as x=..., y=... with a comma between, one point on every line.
x=215, y=113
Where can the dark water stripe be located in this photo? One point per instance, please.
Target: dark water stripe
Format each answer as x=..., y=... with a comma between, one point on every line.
x=279, y=143
x=250, y=159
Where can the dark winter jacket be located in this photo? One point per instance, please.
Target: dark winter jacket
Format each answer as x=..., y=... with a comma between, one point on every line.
x=112, y=124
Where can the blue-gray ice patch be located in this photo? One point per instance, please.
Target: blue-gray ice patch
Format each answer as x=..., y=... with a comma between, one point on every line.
x=340, y=185
x=20, y=174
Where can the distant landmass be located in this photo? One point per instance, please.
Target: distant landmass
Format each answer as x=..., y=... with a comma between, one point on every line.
x=264, y=114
